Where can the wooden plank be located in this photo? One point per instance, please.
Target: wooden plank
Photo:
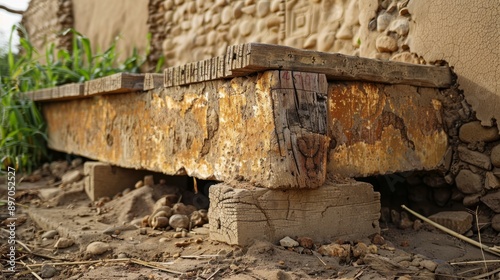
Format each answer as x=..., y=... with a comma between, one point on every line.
x=346, y=211
x=153, y=81
x=222, y=130
x=343, y=67
x=245, y=59
x=116, y=83
x=64, y=92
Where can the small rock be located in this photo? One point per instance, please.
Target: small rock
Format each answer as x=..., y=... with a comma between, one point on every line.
x=359, y=250
x=164, y=240
x=405, y=57
x=471, y=200
x=491, y=181
x=336, y=250
x=143, y=231
x=468, y=182
x=97, y=248
x=149, y=180
x=122, y=256
x=179, y=221
x=49, y=234
x=492, y=200
x=305, y=242
x=71, y=177
x=181, y=208
x=63, y=243
x=417, y=225
x=495, y=156
x=444, y=271
x=383, y=21
x=76, y=162
x=198, y=219
x=58, y=168
x=495, y=222
x=48, y=271
x=176, y=255
x=405, y=223
x=372, y=249
x=395, y=217
x=458, y=221
x=139, y=184
x=159, y=222
x=177, y=235
x=476, y=158
x=378, y=239
x=288, y=242
x=429, y=265
x=386, y=43
x=474, y=132
x=400, y=26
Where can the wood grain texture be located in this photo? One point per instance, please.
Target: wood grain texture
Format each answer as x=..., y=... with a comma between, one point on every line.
x=334, y=211
x=64, y=92
x=245, y=59
x=116, y=83
x=153, y=81
x=258, y=128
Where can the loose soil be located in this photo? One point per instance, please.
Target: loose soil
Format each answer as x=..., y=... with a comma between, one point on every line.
x=422, y=253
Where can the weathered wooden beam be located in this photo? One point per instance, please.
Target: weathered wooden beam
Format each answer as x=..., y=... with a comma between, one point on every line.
x=116, y=83
x=245, y=59
x=64, y=92
x=334, y=211
x=380, y=128
x=268, y=129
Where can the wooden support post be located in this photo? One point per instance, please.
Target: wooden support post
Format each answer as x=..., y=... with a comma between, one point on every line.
x=334, y=211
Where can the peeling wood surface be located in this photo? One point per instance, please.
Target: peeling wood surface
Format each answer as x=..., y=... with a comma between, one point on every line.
x=245, y=59
x=264, y=129
x=152, y=81
x=334, y=211
x=378, y=129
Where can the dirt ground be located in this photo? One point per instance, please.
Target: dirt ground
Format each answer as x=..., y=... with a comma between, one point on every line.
x=131, y=252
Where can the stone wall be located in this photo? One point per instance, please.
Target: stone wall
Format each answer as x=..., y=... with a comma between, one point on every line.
x=45, y=20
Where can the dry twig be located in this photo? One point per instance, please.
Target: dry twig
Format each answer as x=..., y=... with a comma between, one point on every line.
x=453, y=233
x=32, y=272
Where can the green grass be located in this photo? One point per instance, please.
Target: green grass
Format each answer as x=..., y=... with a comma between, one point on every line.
x=23, y=132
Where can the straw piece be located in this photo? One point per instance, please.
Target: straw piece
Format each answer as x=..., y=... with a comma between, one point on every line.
x=453, y=233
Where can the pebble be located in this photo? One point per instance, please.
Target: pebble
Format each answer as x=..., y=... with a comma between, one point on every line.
x=491, y=181
x=288, y=242
x=48, y=271
x=159, y=222
x=386, y=43
x=97, y=248
x=429, y=265
x=139, y=184
x=468, y=182
x=198, y=219
x=305, y=242
x=179, y=221
x=471, y=200
x=475, y=158
x=474, y=132
x=49, y=234
x=383, y=21
x=378, y=239
x=63, y=243
x=400, y=26
x=122, y=256
x=336, y=250
x=495, y=156
x=71, y=177
x=149, y=180
x=164, y=240
x=359, y=250
x=177, y=235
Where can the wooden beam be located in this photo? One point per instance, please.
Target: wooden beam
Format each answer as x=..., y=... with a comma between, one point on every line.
x=258, y=129
x=64, y=92
x=116, y=83
x=153, y=81
x=245, y=59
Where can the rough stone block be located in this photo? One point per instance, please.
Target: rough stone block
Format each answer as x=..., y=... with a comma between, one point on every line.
x=476, y=158
x=495, y=156
x=458, y=221
x=240, y=215
x=492, y=200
